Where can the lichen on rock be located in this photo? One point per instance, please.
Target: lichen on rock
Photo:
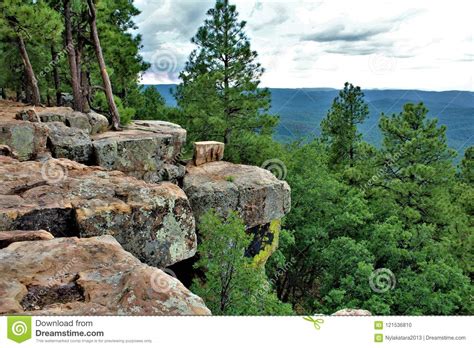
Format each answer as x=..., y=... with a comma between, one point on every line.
x=264, y=243
x=254, y=193
x=87, y=276
x=153, y=221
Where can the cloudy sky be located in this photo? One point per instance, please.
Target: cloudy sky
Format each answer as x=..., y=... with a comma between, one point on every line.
x=375, y=44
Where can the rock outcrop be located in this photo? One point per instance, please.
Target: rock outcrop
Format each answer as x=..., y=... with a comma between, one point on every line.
x=152, y=221
x=146, y=150
x=69, y=142
x=90, y=123
x=87, y=276
x=28, y=115
x=26, y=139
x=254, y=193
x=67, y=174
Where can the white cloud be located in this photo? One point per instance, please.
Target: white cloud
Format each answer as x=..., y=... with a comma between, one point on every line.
x=375, y=44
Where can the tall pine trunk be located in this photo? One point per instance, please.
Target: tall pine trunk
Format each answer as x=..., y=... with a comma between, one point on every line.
x=71, y=54
x=82, y=74
x=56, y=79
x=105, y=76
x=30, y=74
x=228, y=130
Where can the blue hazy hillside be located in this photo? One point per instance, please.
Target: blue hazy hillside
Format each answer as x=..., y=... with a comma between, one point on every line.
x=301, y=111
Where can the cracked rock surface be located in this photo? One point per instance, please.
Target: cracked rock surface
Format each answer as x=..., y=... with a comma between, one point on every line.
x=152, y=221
x=87, y=276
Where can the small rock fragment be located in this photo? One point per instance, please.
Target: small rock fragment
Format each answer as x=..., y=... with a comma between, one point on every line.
x=9, y=237
x=208, y=151
x=352, y=312
x=28, y=115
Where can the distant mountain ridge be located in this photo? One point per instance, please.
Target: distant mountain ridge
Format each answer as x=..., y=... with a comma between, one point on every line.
x=301, y=111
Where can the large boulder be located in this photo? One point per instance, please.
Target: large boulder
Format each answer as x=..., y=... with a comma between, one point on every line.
x=78, y=120
x=147, y=150
x=69, y=142
x=152, y=221
x=26, y=131
x=87, y=276
x=90, y=123
x=98, y=122
x=178, y=134
x=255, y=193
x=26, y=139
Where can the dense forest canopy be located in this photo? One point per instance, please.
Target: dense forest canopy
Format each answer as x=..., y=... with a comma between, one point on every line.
x=386, y=229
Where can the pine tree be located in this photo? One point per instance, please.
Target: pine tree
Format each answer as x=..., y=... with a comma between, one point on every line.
x=25, y=22
x=220, y=92
x=422, y=239
x=339, y=128
x=121, y=48
x=103, y=70
x=467, y=166
x=419, y=171
x=232, y=285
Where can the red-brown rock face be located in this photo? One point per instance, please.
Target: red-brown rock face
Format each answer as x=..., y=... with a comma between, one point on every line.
x=87, y=276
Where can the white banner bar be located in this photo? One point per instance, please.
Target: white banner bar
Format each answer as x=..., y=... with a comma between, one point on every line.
x=322, y=331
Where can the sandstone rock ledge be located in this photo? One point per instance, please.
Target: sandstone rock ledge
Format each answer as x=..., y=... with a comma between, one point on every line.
x=152, y=221
x=87, y=276
x=255, y=193
x=146, y=150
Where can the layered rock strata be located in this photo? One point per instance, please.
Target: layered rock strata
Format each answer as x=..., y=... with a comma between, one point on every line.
x=153, y=221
